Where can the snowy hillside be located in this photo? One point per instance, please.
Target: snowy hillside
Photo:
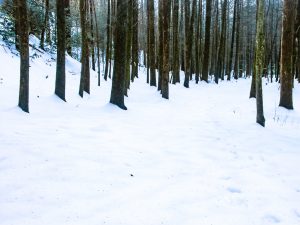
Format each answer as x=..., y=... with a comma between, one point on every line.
x=198, y=158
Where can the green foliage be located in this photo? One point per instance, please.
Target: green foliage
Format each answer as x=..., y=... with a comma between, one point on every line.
x=7, y=33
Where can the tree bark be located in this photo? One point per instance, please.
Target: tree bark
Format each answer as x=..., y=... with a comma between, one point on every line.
x=206, y=56
x=165, y=64
x=151, y=52
x=22, y=22
x=85, y=62
x=176, y=55
x=60, y=81
x=286, y=63
x=260, y=55
x=118, y=80
x=135, y=39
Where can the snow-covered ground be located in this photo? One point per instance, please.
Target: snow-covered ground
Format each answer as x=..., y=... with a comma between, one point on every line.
x=198, y=158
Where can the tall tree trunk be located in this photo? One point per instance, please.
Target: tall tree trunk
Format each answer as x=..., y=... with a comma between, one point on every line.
x=189, y=28
x=108, y=36
x=297, y=31
x=68, y=27
x=60, y=82
x=135, y=39
x=206, y=56
x=198, y=42
x=260, y=55
x=229, y=66
x=166, y=4
x=45, y=24
x=253, y=81
x=286, y=78
x=176, y=49
x=221, y=53
x=151, y=52
x=22, y=24
x=92, y=35
x=187, y=55
x=237, y=43
x=128, y=47
x=85, y=64
x=118, y=80
x=160, y=44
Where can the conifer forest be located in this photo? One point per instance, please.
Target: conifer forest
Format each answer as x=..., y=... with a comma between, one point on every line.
x=148, y=112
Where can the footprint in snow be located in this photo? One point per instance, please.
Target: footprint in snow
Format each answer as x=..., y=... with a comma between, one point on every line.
x=271, y=219
x=234, y=190
x=297, y=213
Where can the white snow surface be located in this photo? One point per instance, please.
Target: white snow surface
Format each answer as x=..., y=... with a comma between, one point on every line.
x=198, y=158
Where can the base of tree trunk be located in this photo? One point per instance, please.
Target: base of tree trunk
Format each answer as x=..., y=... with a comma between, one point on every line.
x=122, y=106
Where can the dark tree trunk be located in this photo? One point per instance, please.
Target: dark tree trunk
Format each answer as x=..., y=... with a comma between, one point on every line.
x=85, y=64
x=198, y=42
x=260, y=55
x=176, y=55
x=229, y=66
x=45, y=25
x=206, y=56
x=135, y=43
x=108, y=41
x=297, y=31
x=166, y=6
x=128, y=47
x=22, y=22
x=92, y=36
x=237, y=44
x=160, y=44
x=189, y=28
x=118, y=81
x=286, y=78
x=68, y=27
x=221, y=53
x=151, y=52
x=60, y=82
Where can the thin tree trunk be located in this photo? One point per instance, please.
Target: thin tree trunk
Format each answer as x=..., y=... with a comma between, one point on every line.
x=85, y=65
x=229, y=66
x=135, y=44
x=151, y=43
x=176, y=55
x=45, y=24
x=260, y=51
x=165, y=64
x=68, y=27
x=206, y=56
x=221, y=53
x=108, y=35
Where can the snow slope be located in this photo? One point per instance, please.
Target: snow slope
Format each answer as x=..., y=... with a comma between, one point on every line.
x=198, y=158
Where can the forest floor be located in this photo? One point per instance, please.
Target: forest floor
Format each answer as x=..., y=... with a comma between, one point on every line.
x=198, y=158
